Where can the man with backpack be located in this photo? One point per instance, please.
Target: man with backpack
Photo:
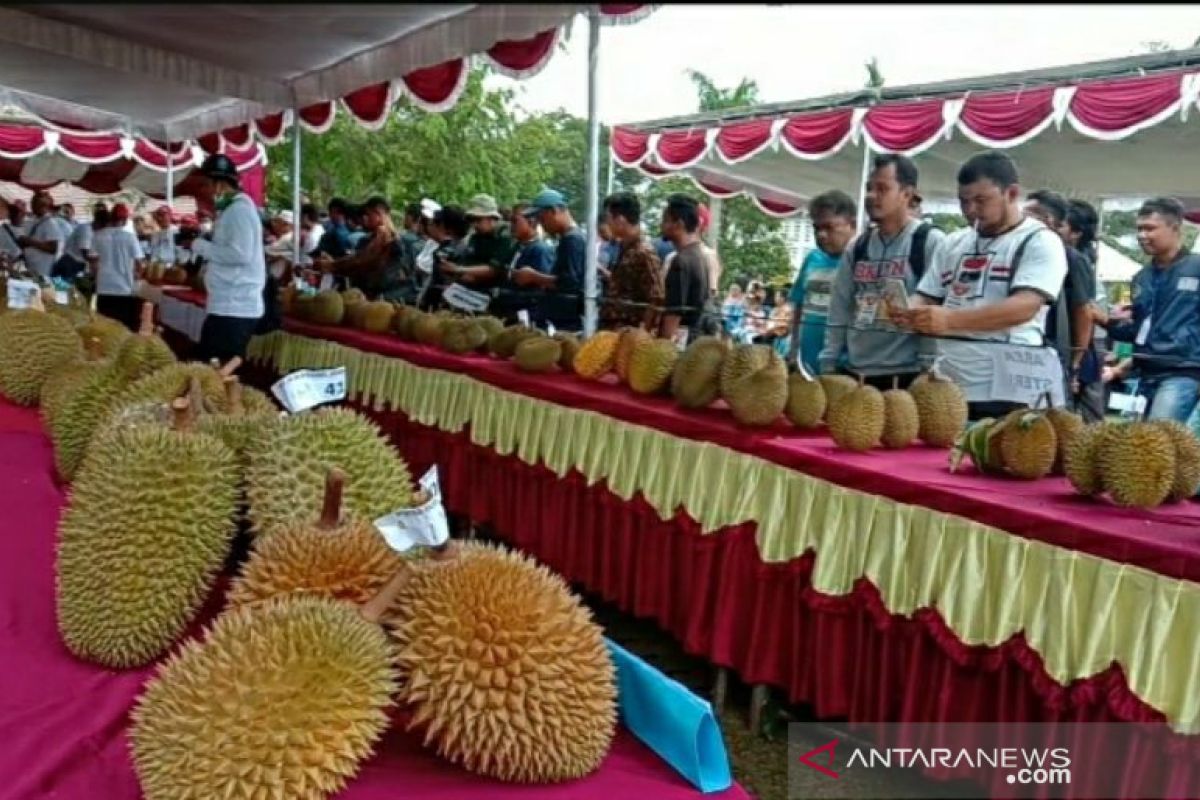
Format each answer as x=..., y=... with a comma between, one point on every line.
x=894, y=251
x=986, y=295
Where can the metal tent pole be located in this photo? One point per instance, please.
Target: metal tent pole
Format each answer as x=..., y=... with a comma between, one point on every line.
x=612, y=166
x=862, y=186
x=714, y=225
x=296, y=187
x=591, y=284
x=171, y=193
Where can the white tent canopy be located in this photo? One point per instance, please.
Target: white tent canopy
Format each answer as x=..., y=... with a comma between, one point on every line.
x=178, y=71
x=1113, y=266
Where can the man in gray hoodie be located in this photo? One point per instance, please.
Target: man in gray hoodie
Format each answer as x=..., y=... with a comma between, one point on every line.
x=861, y=338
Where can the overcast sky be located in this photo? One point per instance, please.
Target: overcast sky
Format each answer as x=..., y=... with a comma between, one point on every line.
x=799, y=51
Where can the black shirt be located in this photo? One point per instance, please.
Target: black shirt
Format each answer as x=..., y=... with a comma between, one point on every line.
x=687, y=284
x=563, y=305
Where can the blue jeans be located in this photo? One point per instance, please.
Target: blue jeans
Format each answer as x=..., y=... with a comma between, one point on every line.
x=1172, y=397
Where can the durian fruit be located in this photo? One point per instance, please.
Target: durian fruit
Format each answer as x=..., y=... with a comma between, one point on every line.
x=140, y=546
x=78, y=416
x=941, y=409
x=597, y=356
x=303, y=305
x=806, y=401
x=235, y=424
x=504, y=668
x=429, y=329
x=1081, y=462
x=754, y=384
x=836, y=387
x=629, y=339
x=343, y=558
x=143, y=353
x=900, y=419
x=289, y=457
x=570, y=348
x=1137, y=464
x=110, y=333
x=67, y=378
x=1028, y=444
x=378, y=317
x=1187, y=459
x=696, y=381
x=282, y=699
x=490, y=324
x=327, y=308
x=504, y=343
x=856, y=421
x=1067, y=426
x=172, y=381
x=464, y=336
x=537, y=354
x=33, y=345
x=979, y=441
x=652, y=364
x=354, y=304
x=402, y=321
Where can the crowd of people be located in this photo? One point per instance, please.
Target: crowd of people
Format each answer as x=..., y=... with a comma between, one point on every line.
x=1006, y=306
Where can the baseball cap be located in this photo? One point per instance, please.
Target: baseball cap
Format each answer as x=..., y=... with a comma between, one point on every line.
x=545, y=200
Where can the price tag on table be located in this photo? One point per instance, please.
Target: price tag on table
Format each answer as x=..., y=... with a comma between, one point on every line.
x=306, y=388
x=21, y=293
x=465, y=299
x=1127, y=403
x=523, y=317
x=422, y=526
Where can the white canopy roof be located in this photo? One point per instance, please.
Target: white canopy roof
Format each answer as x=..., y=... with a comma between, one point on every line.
x=1113, y=266
x=172, y=71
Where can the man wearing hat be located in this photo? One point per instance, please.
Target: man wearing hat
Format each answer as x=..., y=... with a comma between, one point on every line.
x=236, y=276
x=562, y=304
x=488, y=251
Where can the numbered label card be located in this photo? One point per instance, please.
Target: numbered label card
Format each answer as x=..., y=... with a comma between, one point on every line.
x=550, y=329
x=1127, y=403
x=21, y=293
x=306, y=388
x=423, y=526
x=465, y=299
x=523, y=317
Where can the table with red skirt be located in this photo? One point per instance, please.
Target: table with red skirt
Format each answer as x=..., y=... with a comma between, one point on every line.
x=874, y=587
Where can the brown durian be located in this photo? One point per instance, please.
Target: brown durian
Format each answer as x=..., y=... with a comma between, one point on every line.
x=537, y=354
x=856, y=421
x=652, y=364
x=941, y=409
x=1187, y=459
x=378, y=317
x=900, y=419
x=696, y=381
x=570, y=348
x=1067, y=426
x=1137, y=465
x=754, y=384
x=1081, y=462
x=836, y=387
x=627, y=342
x=806, y=401
x=1028, y=444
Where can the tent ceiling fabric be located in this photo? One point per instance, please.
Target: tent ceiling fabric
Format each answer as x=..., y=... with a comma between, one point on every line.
x=179, y=71
x=1105, y=137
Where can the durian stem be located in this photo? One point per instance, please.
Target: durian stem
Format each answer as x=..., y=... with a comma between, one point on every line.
x=181, y=414
x=231, y=367
x=94, y=351
x=195, y=394
x=374, y=609
x=331, y=512
x=146, y=328
x=233, y=395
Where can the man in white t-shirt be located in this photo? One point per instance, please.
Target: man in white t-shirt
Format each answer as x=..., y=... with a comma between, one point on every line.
x=161, y=247
x=986, y=296
x=117, y=256
x=46, y=236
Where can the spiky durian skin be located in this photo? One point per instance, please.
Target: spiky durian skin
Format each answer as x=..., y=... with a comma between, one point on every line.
x=59, y=387
x=505, y=670
x=138, y=552
x=941, y=410
x=901, y=422
x=754, y=384
x=283, y=699
x=289, y=458
x=350, y=562
x=696, y=380
x=537, y=354
x=836, y=387
x=570, y=347
x=111, y=334
x=806, y=401
x=138, y=356
x=1028, y=445
x=1187, y=459
x=597, y=356
x=77, y=420
x=856, y=421
x=1067, y=425
x=651, y=366
x=1137, y=465
x=33, y=344
x=1081, y=461
x=627, y=342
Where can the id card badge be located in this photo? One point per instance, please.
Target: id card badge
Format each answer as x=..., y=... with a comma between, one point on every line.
x=1143, y=332
x=868, y=310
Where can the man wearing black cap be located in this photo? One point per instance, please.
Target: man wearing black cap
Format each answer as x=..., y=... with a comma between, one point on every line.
x=237, y=271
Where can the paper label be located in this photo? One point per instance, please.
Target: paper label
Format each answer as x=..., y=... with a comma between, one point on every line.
x=305, y=388
x=422, y=526
x=1024, y=374
x=1143, y=332
x=550, y=329
x=680, y=338
x=61, y=297
x=465, y=299
x=1127, y=403
x=21, y=293
x=523, y=317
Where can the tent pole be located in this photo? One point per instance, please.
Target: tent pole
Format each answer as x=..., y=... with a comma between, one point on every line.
x=170, y=195
x=862, y=187
x=296, y=187
x=591, y=284
x=714, y=226
x=611, y=167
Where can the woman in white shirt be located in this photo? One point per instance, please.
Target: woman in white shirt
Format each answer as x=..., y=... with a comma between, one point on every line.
x=116, y=258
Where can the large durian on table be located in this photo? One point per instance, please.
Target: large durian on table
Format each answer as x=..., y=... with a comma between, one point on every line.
x=67, y=378
x=1028, y=444
x=149, y=524
x=754, y=384
x=941, y=409
x=1187, y=459
x=901, y=422
x=504, y=668
x=110, y=333
x=282, y=699
x=290, y=456
x=696, y=380
x=856, y=420
x=806, y=401
x=503, y=343
x=1067, y=425
x=627, y=342
x=1081, y=461
x=652, y=365
x=836, y=387
x=237, y=422
x=597, y=356
x=538, y=354
x=1137, y=464
x=570, y=345
x=33, y=344
x=464, y=336
x=335, y=556
x=144, y=352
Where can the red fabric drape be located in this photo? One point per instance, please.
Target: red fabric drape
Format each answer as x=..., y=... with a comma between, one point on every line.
x=905, y=126
x=434, y=85
x=210, y=143
x=20, y=141
x=775, y=207
x=629, y=146
x=524, y=55
x=270, y=127
x=317, y=115
x=181, y=157
x=677, y=149
x=1004, y=116
x=817, y=134
x=1112, y=106
x=370, y=103
x=716, y=190
x=92, y=148
x=239, y=136
x=743, y=139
